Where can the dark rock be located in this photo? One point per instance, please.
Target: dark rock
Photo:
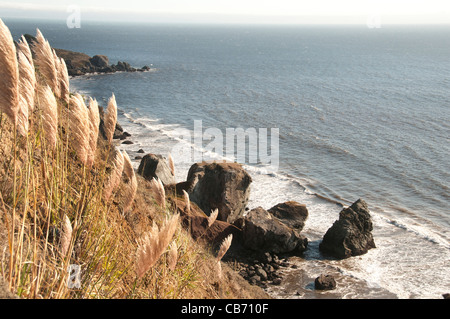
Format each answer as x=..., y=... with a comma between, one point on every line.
x=118, y=132
x=127, y=142
x=351, y=235
x=261, y=273
x=291, y=213
x=225, y=186
x=277, y=281
x=138, y=157
x=155, y=166
x=107, y=69
x=255, y=279
x=268, y=258
x=325, y=282
x=446, y=296
x=141, y=151
x=124, y=66
x=264, y=233
x=100, y=61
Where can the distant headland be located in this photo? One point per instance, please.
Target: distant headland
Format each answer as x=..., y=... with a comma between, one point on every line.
x=81, y=63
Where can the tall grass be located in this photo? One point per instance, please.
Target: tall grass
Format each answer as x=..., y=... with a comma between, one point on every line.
x=45, y=62
x=9, y=76
x=111, y=118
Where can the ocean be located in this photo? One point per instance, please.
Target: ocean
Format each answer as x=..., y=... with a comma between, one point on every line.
x=361, y=113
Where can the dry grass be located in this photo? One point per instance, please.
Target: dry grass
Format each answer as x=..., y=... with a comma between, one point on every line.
x=27, y=87
x=94, y=125
x=153, y=244
x=159, y=192
x=79, y=127
x=113, y=179
x=9, y=76
x=48, y=110
x=130, y=183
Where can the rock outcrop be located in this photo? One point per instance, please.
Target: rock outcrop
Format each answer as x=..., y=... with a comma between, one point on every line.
x=99, y=61
x=225, y=186
x=156, y=166
x=291, y=213
x=264, y=232
x=351, y=235
x=79, y=63
x=325, y=282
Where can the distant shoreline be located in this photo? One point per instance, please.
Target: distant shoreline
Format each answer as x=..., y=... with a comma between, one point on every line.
x=78, y=63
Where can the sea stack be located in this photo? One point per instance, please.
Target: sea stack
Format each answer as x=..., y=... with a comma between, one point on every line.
x=351, y=235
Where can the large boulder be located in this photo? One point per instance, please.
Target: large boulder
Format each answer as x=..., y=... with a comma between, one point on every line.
x=155, y=166
x=99, y=61
x=291, y=213
x=225, y=186
x=325, y=282
x=351, y=235
x=261, y=231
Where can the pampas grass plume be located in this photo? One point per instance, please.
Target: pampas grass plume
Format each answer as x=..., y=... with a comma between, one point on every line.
x=222, y=251
x=63, y=78
x=158, y=192
x=66, y=236
x=212, y=218
x=114, y=178
x=27, y=86
x=79, y=127
x=24, y=47
x=9, y=75
x=110, y=118
x=94, y=124
x=187, y=201
x=49, y=112
x=173, y=256
x=131, y=186
x=226, y=243
x=153, y=244
x=171, y=165
x=45, y=61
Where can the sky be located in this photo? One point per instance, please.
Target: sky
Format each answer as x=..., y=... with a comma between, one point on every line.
x=238, y=11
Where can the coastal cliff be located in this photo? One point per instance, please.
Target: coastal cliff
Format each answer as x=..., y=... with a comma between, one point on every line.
x=80, y=63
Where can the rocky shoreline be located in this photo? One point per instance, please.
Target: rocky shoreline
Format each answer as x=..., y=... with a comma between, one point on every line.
x=82, y=64
x=263, y=240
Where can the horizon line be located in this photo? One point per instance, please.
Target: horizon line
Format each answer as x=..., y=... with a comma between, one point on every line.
x=241, y=22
